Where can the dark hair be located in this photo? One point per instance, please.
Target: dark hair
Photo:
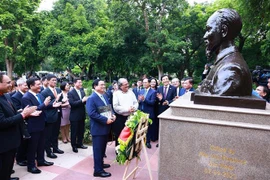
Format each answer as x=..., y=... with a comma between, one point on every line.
x=43, y=78
x=63, y=85
x=164, y=76
x=76, y=79
x=148, y=80
x=50, y=76
x=95, y=83
x=190, y=79
x=156, y=82
x=31, y=81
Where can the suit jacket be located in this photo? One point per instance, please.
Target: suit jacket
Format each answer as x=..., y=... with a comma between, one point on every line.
x=170, y=96
x=98, y=122
x=183, y=91
x=136, y=91
x=148, y=105
x=17, y=100
x=51, y=112
x=10, y=135
x=77, y=111
x=34, y=124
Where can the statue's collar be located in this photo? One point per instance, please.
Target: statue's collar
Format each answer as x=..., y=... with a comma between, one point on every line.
x=225, y=52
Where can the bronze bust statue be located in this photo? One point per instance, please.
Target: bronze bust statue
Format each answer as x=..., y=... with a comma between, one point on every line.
x=230, y=75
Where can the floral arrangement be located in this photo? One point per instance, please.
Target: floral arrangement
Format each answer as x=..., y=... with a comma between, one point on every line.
x=126, y=138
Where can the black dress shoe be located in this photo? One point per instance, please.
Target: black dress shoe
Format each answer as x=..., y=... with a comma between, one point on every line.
x=45, y=163
x=22, y=163
x=12, y=172
x=58, y=151
x=51, y=155
x=34, y=170
x=102, y=174
x=74, y=149
x=82, y=146
x=106, y=166
x=14, y=178
x=148, y=145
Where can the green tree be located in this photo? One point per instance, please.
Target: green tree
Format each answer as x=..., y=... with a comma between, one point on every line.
x=16, y=22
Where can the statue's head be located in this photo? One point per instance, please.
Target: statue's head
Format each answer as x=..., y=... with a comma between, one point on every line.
x=223, y=25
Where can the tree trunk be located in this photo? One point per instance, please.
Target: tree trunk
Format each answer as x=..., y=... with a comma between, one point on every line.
x=10, y=66
x=160, y=71
x=90, y=71
x=70, y=74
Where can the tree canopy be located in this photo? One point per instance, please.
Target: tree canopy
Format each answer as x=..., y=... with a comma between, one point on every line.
x=116, y=38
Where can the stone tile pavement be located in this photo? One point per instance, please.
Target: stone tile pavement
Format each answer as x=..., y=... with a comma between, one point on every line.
x=79, y=166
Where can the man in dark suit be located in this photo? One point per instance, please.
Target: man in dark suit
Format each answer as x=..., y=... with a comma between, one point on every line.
x=188, y=83
x=17, y=101
x=53, y=117
x=100, y=126
x=44, y=84
x=21, y=89
x=165, y=95
x=36, y=126
x=147, y=99
x=10, y=136
x=137, y=89
x=77, y=100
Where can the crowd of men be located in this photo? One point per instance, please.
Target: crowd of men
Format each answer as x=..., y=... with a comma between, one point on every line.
x=31, y=116
x=30, y=120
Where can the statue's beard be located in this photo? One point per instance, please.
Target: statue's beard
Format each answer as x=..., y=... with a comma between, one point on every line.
x=209, y=54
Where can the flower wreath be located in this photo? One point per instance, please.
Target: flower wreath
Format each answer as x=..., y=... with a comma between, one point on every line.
x=126, y=139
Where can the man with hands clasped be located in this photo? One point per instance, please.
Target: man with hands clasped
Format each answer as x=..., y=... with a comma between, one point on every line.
x=77, y=100
x=101, y=116
x=124, y=104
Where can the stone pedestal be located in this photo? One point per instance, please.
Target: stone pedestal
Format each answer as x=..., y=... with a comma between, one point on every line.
x=213, y=142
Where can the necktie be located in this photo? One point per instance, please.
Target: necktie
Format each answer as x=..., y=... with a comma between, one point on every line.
x=102, y=98
x=54, y=93
x=39, y=100
x=145, y=93
x=165, y=92
x=79, y=93
x=12, y=107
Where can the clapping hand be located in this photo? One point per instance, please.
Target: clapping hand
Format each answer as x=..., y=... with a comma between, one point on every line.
x=36, y=113
x=27, y=111
x=47, y=100
x=57, y=104
x=141, y=97
x=159, y=96
x=84, y=99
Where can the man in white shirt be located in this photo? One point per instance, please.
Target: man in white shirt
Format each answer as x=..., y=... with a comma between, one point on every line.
x=124, y=104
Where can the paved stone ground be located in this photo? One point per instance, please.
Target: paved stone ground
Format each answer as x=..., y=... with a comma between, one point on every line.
x=79, y=166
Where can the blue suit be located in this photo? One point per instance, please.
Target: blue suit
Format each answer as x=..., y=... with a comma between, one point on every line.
x=99, y=129
x=36, y=128
x=137, y=91
x=16, y=99
x=148, y=106
x=21, y=154
x=183, y=91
